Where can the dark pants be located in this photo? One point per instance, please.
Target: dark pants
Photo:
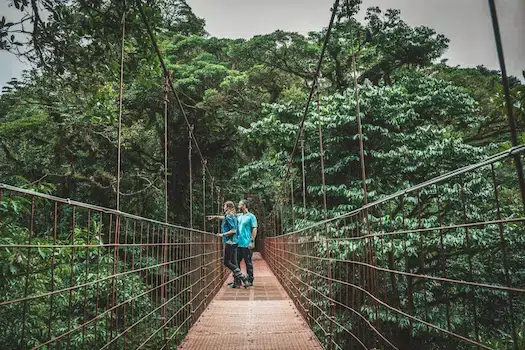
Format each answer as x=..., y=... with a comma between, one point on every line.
x=246, y=255
x=230, y=257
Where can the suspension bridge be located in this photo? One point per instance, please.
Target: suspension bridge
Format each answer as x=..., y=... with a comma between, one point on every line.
x=388, y=275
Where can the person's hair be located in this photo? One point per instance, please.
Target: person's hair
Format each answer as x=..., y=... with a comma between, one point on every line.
x=231, y=206
x=246, y=203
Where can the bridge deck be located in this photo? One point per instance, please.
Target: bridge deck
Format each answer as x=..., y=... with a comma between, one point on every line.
x=260, y=317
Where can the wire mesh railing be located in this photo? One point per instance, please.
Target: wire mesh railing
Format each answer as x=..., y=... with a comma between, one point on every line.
x=438, y=266
x=77, y=276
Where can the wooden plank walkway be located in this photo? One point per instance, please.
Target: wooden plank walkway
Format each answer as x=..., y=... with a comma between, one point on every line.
x=261, y=317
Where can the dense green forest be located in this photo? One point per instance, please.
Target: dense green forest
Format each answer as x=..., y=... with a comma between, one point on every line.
x=421, y=118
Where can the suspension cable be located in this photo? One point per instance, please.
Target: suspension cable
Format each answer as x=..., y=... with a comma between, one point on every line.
x=358, y=110
x=119, y=123
x=508, y=98
x=313, y=87
x=170, y=80
x=300, y=134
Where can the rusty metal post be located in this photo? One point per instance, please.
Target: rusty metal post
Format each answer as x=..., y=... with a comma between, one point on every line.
x=221, y=266
x=203, y=235
x=212, y=187
x=282, y=218
x=190, y=145
x=190, y=260
x=204, y=162
x=28, y=273
x=218, y=208
x=274, y=221
x=293, y=212
x=469, y=260
x=442, y=251
x=303, y=175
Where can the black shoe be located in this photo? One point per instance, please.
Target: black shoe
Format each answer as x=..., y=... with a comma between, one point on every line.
x=245, y=281
x=230, y=284
x=247, y=278
x=237, y=282
x=247, y=284
x=235, y=286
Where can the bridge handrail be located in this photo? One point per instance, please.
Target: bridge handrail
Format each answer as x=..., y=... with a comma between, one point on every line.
x=96, y=208
x=516, y=150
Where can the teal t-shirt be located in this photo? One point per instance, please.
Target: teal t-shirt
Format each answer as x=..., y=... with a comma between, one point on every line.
x=230, y=223
x=247, y=222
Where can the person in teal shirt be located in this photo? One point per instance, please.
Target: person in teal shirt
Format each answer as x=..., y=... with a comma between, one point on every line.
x=229, y=229
x=246, y=238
